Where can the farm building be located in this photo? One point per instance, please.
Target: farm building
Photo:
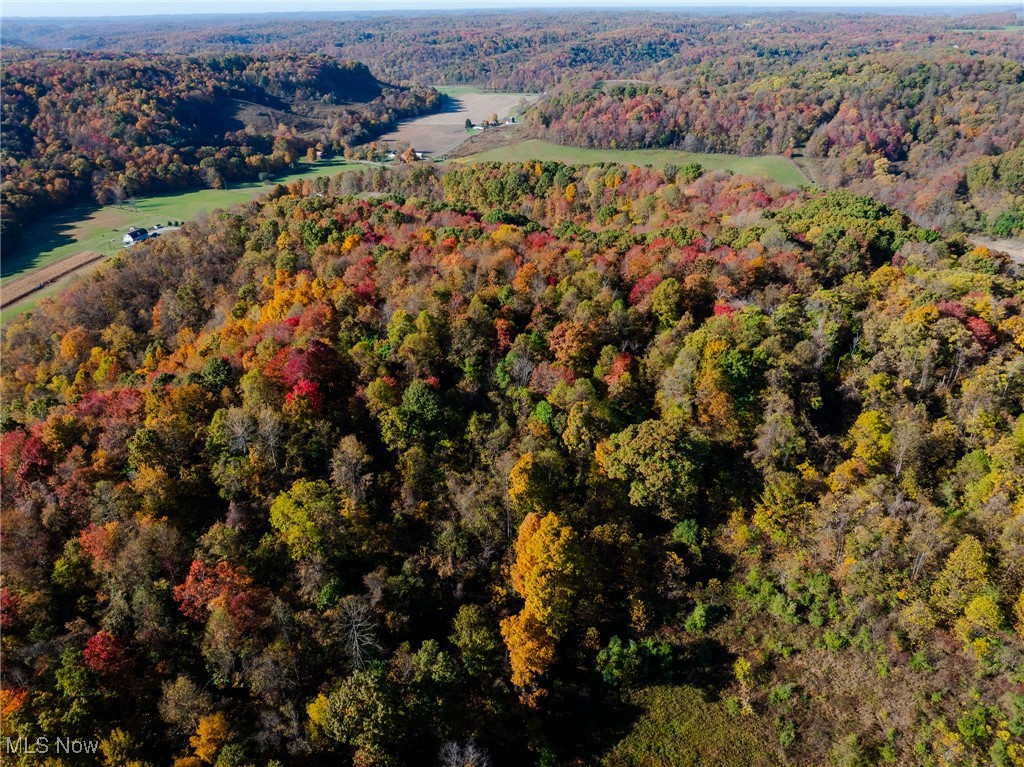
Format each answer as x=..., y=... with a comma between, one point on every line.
x=135, y=235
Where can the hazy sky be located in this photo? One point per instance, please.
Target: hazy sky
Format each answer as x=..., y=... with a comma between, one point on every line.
x=64, y=8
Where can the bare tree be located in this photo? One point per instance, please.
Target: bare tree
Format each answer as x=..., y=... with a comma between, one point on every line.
x=348, y=468
x=521, y=368
x=909, y=432
x=358, y=631
x=270, y=430
x=117, y=192
x=181, y=705
x=240, y=428
x=468, y=755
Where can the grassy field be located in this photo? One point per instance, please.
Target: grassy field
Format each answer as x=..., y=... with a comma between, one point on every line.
x=90, y=227
x=678, y=727
x=780, y=169
x=459, y=90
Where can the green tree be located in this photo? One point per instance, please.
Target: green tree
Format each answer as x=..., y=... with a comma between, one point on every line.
x=365, y=713
x=660, y=460
x=310, y=519
x=478, y=643
x=79, y=689
x=667, y=301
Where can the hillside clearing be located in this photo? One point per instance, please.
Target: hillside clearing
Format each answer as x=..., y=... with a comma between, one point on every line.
x=1013, y=248
x=778, y=168
x=676, y=726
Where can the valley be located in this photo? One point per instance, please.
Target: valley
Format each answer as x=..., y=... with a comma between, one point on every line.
x=64, y=245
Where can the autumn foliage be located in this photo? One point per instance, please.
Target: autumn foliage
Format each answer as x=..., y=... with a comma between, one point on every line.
x=431, y=460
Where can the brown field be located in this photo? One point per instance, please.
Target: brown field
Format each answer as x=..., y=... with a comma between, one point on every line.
x=259, y=118
x=486, y=140
x=23, y=287
x=438, y=134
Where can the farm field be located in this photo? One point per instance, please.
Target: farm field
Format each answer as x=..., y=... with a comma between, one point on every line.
x=439, y=133
x=87, y=227
x=780, y=169
x=86, y=267
x=18, y=289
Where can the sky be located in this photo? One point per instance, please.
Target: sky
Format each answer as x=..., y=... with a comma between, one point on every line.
x=79, y=8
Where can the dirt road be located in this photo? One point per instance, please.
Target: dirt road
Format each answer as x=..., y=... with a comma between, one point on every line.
x=1013, y=248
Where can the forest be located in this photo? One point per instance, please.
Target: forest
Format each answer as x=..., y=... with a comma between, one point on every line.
x=109, y=127
x=522, y=464
x=481, y=464
x=919, y=111
x=916, y=127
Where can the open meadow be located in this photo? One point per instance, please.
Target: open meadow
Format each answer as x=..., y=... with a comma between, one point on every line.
x=778, y=168
x=82, y=232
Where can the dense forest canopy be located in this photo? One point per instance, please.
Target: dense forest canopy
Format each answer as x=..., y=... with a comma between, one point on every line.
x=106, y=127
x=489, y=465
x=917, y=126
x=520, y=50
x=527, y=463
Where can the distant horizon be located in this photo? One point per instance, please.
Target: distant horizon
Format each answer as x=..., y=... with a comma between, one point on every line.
x=13, y=10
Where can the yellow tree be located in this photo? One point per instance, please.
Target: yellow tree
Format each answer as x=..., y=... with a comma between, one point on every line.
x=981, y=621
x=547, y=570
x=964, y=577
x=1018, y=613
x=531, y=649
x=546, y=573
x=211, y=735
x=532, y=481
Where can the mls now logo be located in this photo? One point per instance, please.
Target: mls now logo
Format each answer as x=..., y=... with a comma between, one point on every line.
x=45, y=745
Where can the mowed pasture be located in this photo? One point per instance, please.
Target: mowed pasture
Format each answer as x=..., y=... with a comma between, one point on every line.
x=62, y=236
x=781, y=169
x=439, y=133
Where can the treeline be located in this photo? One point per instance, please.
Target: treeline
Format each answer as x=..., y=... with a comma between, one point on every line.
x=108, y=127
x=907, y=127
x=516, y=50
x=453, y=467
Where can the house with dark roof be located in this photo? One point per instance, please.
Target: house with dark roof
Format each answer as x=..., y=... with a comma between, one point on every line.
x=135, y=235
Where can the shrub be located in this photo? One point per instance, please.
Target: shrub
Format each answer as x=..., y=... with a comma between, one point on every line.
x=624, y=663
x=697, y=623
x=835, y=640
x=781, y=693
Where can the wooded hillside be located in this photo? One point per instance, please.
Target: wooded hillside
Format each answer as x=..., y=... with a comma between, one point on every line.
x=108, y=127
x=506, y=464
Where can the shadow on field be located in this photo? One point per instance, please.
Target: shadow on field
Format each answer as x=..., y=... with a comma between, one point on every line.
x=53, y=231
x=450, y=104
